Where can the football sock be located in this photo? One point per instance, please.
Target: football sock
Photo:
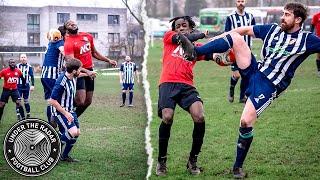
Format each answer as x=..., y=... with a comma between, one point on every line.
x=80, y=109
x=243, y=145
x=49, y=113
x=164, y=135
x=124, y=97
x=318, y=64
x=130, y=97
x=1, y=112
x=219, y=45
x=68, y=145
x=233, y=83
x=20, y=111
x=27, y=106
x=197, y=135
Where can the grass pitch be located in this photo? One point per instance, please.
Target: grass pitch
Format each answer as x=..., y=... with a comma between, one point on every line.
x=286, y=143
x=111, y=144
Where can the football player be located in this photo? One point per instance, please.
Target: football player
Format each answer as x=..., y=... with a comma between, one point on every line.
x=176, y=87
x=285, y=47
x=62, y=97
x=128, y=70
x=237, y=19
x=80, y=45
x=11, y=76
x=25, y=85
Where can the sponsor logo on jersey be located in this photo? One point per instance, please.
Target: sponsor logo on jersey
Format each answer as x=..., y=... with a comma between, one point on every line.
x=12, y=80
x=85, y=48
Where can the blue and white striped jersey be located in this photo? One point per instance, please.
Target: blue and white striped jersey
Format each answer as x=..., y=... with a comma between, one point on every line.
x=27, y=73
x=64, y=92
x=128, y=69
x=53, y=61
x=234, y=20
x=282, y=52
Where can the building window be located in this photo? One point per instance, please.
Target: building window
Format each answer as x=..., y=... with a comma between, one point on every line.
x=33, y=39
x=114, y=38
x=94, y=34
x=113, y=19
x=62, y=17
x=87, y=17
x=33, y=22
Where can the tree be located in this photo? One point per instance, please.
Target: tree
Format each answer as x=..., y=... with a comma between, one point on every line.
x=138, y=18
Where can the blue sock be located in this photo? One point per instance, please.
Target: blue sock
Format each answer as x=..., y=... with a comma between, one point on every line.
x=68, y=142
x=130, y=97
x=244, y=142
x=219, y=45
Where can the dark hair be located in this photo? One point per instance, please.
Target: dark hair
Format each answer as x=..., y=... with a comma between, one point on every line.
x=73, y=64
x=62, y=30
x=298, y=9
x=192, y=24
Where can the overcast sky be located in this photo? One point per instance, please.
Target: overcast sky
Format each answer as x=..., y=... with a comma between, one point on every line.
x=85, y=3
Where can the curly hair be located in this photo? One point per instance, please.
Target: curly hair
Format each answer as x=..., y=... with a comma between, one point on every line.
x=192, y=24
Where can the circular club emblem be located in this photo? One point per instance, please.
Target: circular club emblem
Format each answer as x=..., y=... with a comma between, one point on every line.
x=32, y=147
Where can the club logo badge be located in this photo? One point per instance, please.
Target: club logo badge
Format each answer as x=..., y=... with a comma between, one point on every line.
x=32, y=147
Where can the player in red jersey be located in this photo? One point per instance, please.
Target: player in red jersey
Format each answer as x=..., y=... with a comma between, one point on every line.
x=315, y=26
x=80, y=45
x=176, y=87
x=11, y=76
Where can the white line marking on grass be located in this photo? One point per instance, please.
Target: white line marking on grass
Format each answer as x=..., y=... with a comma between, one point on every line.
x=146, y=86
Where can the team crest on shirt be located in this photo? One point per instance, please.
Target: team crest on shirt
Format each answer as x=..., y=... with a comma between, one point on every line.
x=16, y=74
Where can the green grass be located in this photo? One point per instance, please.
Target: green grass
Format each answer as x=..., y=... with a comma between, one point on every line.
x=286, y=143
x=111, y=144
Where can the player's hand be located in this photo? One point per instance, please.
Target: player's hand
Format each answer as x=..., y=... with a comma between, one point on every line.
x=92, y=74
x=31, y=88
x=113, y=63
x=69, y=116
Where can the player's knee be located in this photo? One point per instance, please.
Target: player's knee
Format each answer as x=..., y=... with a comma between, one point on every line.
x=167, y=116
x=80, y=101
x=198, y=117
x=245, y=123
x=26, y=101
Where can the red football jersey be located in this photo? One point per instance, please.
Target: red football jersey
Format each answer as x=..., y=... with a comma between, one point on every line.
x=316, y=22
x=11, y=77
x=174, y=67
x=81, y=46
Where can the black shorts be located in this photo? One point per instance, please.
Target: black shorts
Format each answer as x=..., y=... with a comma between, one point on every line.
x=171, y=94
x=85, y=83
x=6, y=93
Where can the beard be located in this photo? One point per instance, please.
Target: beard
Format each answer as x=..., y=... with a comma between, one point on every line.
x=285, y=26
x=73, y=31
x=76, y=74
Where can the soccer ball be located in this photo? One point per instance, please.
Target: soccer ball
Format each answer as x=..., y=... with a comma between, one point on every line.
x=224, y=59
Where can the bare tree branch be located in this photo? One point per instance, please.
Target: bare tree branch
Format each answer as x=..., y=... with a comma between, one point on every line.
x=125, y=2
